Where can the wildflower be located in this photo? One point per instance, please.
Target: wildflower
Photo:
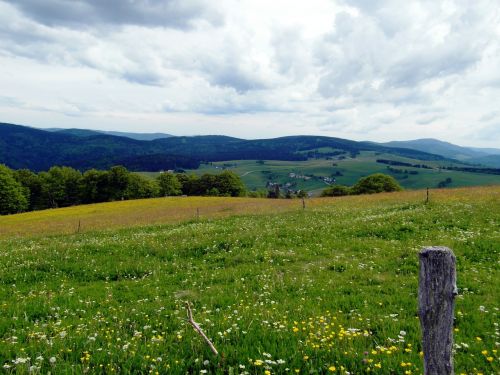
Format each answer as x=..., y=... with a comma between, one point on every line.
x=332, y=368
x=267, y=372
x=52, y=360
x=489, y=359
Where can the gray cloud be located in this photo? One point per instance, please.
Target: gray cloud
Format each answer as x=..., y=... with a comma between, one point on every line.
x=88, y=13
x=345, y=67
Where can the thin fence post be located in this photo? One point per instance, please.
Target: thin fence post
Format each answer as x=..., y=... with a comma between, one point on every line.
x=427, y=197
x=436, y=299
x=303, y=203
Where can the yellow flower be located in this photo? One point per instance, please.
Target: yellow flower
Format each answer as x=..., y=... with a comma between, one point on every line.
x=489, y=359
x=267, y=372
x=378, y=365
x=332, y=368
x=306, y=357
x=484, y=352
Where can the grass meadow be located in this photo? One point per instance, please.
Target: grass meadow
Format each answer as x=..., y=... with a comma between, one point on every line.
x=279, y=290
x=256, y=175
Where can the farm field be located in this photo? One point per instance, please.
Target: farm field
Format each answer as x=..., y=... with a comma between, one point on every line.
x=255, y=175
x=329, y=289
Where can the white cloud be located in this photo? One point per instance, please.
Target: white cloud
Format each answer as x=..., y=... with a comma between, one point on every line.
x=351, y=68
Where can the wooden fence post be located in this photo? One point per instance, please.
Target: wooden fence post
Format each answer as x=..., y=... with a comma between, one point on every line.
x=436, y=300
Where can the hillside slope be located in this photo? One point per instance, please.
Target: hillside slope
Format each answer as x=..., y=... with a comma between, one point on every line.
x=330, y=289
x=487, y=157
x=25, y=147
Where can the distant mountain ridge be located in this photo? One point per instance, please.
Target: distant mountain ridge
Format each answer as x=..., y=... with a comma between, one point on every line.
x=87, y=133
x=36, y=149
x=485, y=156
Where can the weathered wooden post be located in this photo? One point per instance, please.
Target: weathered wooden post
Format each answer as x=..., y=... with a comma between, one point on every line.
x=427, y=197
x=303, y=203
x=436, y=300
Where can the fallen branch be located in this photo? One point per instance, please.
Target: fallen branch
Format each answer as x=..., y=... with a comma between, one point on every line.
x=199, y=330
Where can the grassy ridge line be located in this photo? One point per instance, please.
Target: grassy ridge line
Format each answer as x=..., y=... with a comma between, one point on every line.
x=178, y=209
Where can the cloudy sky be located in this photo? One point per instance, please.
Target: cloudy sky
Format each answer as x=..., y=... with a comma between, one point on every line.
x=358, y=69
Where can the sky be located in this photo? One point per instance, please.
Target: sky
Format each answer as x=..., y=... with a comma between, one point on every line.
x=357, y=69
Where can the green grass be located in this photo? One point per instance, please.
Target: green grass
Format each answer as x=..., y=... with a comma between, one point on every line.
x=255, y=175
x=333, y=286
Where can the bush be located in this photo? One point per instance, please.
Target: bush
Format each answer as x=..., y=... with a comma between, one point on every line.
x=336, y=191
x=376, y=183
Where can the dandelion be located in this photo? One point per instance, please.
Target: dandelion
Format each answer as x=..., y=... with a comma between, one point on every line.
x=332, y=368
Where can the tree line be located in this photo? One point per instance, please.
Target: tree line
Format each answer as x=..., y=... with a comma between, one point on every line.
x=24, y=190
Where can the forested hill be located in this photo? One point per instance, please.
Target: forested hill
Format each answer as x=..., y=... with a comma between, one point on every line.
x=35, y=149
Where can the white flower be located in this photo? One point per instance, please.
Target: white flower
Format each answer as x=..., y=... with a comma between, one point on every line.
x=203, y=371
x=6, y=366
x=402, y=333
x=206, y=362
x=39, y=358
x=52, y=360
x=63, y=334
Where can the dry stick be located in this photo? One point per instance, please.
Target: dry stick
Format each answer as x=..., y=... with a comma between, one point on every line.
x=199, y=330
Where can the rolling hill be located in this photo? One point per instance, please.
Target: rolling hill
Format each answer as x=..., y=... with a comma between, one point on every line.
x=484, y=156
x=87, y=133
x=25, y=147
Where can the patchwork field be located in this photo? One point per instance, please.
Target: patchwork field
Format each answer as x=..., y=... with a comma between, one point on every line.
x=279, y=289
x=350, y=170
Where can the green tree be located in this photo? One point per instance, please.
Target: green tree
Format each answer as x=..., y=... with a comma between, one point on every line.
x=118, y=179
x=229, y=184
x=190, y=184
x=60, y=187
x=94, y=186
x=32, y=188
x=169, y=184
x=376, y=183
x=140, y=187
x=12, y=195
